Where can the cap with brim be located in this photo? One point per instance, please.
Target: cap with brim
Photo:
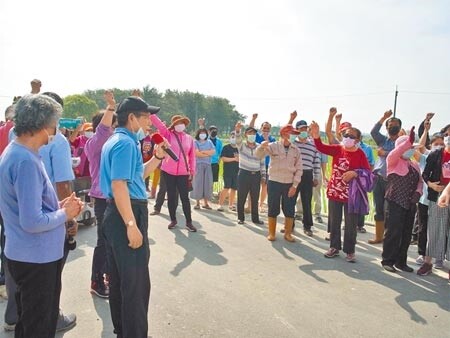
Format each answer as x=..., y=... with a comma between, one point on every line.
x=301, y=123
x=250, y=129
x=136, y=104
x=176, y=119
x=212, y=127
x=289, y=129
x=344, y=125
x=88, y=127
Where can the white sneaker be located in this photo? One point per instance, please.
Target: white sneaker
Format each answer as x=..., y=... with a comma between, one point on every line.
x=419, y=260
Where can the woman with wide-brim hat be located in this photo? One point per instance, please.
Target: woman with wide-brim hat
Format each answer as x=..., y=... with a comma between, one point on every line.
x=178, y=174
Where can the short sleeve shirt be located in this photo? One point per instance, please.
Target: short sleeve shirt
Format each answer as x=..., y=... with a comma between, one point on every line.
x=121, y=159
x=230, y=168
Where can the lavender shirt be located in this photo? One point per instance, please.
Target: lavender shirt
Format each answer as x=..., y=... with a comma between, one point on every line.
x=93, y=150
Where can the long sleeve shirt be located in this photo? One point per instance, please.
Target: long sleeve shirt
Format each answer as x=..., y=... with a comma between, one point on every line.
x=248, y=159
x=311, y=158
x=176, y=168
x=285, y=162
x=34, y=223
x=93, y=150
x=386, y=144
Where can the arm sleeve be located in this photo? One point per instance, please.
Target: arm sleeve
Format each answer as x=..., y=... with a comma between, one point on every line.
x=395, y=154
x=28, y=186
x=191, y=158
x=61, y=161
x=316, y=165
x=163, y=130
x=329, y=149
x=376, y=135
x=298, y=170
x=121, y=164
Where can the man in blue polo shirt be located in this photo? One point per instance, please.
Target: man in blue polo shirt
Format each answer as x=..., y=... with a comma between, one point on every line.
x=126, y=218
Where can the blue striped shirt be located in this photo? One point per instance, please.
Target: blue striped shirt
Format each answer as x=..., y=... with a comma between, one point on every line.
x=311, y=158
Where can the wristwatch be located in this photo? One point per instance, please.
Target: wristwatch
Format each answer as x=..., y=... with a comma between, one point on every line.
x=130, y=223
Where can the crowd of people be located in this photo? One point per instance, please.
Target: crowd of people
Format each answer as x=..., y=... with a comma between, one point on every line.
x=125, y=146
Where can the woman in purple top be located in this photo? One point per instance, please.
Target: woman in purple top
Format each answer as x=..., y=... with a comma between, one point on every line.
x=102, y=125
x=34, y=220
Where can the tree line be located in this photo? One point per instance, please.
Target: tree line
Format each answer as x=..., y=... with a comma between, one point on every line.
x=217, y=111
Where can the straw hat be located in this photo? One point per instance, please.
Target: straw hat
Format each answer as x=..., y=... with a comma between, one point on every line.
x=176, y=119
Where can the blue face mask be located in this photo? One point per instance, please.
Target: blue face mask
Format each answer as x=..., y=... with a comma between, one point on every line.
x=140, y=134
x=408, y=154
x=303, y=134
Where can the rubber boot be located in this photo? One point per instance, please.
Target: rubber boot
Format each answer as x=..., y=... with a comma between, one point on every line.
x=379, y=233
x=272, y=228
x=288, y=223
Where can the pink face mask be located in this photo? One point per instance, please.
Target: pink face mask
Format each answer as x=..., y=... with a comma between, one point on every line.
x=348, y=142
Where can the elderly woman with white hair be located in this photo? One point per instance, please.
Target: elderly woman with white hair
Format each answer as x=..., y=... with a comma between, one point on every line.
x=34, y=219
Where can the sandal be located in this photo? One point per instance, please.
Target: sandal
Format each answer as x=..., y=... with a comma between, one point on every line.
x=206, y=207
x=197, y=207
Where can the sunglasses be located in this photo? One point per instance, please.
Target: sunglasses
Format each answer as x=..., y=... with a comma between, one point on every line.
x=349, y=136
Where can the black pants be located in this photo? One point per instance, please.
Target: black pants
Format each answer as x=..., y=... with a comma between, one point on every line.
x=379, y=191
x=278, y=193
x=351, y=221
x=177, y=185
x=422, y=228
x=161, y=194
x=248, y=181
x=37, y=297
x=215, y=171
x=129, y=278
x=397, y=237
x=305, y=189
x=99, y=265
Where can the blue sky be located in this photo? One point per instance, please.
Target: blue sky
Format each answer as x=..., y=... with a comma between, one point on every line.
x=266, y=57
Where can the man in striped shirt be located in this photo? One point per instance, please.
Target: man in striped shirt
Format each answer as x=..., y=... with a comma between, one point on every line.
x=311, y=173
x=251, y=170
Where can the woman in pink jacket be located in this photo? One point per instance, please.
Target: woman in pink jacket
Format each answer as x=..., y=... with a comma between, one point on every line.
x=178, y=174
x=403, y=191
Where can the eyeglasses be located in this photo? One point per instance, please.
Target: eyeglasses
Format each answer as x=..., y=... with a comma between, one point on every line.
x=349, y=136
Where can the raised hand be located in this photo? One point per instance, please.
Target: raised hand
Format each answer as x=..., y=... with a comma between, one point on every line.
x=136, y=92
x=255, y=116
x=333, y=111
x=427, y=125
x=412, y=135
x=387, y=114
x=294, y=115
x=429, y=116
x=315, y=129
x=109, y=98
x=338, y=117
x=238, y=127
x=201, y=122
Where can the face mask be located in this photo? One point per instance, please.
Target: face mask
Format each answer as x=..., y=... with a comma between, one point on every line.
x=394, y=130
x=140, y=134
x=202, y=136
x=433, y=148
x=50, y=137
x=89, y=134
x=447, y=141
x=214, y=133
x=303, y=134
x=292, y=138
x=232, y=140
x=251, y=138
x=180, y=127
x=348, y=142
x=407, y=154
x=358, y=144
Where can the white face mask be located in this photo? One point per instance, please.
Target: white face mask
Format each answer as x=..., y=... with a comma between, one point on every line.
x=438, y=147
x=447, y=141
x=180, y=127
x=88, y=134
x=202, y=136
x=50, y=137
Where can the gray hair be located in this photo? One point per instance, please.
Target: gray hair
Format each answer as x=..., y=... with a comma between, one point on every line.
x=9, y=113
x=35, y=112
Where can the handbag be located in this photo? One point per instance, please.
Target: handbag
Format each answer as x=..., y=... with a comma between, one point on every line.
x=189, y=182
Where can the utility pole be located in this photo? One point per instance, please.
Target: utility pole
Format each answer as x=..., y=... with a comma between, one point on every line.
x=395, y=101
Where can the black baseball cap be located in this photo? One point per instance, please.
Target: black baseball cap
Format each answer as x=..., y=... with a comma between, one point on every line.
x=301, y=123
x=136, y=104
x=250, y=129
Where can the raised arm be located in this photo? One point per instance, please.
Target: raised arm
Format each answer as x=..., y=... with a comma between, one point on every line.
x=329, y=149
x=253, y=120
x=338, y=119
x=163, y=130
x=329, y=125
x=375, y=132
x=292, y=117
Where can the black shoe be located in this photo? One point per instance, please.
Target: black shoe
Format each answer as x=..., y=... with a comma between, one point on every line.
x=190, y=227
x=240, y=221
x=389, y=268
x=319, y=219
x=405, y=268
x=258, y=222
x=172, y=225
x=308, y=232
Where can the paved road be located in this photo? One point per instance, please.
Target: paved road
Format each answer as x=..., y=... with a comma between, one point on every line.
x=227, y=280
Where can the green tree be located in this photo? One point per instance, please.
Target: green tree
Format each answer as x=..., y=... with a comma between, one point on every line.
x=79, y=106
